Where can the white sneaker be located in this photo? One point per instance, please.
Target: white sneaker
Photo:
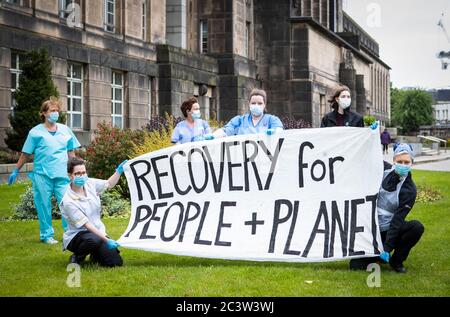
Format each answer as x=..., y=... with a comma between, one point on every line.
x=50, y=241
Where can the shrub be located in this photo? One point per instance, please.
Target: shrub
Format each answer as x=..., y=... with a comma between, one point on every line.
x=426, y=194
x=110, y=147
x=26, y=210
x=158, y=138
x=160, y=123
x=290, y=122
x=113, y=206
x=368, y=120
x=8, y=157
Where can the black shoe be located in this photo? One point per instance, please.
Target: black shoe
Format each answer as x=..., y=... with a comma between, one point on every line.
x=78, y=259
x=399, y=268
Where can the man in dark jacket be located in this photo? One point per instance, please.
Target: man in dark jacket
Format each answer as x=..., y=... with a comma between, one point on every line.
x=395, y=200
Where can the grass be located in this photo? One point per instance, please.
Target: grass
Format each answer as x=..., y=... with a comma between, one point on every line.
x=30, y=268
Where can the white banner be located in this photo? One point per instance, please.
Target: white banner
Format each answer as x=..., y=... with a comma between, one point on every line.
x=299, y=196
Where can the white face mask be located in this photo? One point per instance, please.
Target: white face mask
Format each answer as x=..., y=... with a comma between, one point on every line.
x=345, y=102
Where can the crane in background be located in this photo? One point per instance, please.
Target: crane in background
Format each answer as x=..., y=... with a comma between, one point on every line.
x=443, y=55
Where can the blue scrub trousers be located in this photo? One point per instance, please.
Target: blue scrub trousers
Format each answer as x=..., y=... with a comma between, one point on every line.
x=43, y=190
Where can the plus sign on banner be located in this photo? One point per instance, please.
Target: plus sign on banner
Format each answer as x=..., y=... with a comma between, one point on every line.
x=300, y=196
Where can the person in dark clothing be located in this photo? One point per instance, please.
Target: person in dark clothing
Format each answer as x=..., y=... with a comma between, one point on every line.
x=341, y=115
x=395, y=200
x=385, y=140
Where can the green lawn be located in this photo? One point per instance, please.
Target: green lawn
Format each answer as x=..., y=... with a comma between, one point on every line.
x=30, y=268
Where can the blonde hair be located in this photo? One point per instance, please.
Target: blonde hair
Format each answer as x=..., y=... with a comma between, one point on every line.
x=52, y=101
x=258, y=92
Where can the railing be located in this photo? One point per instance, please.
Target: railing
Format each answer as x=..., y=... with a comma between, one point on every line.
x=434, y=140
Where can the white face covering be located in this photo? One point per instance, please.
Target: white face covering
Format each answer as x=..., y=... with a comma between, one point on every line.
x=345, y=102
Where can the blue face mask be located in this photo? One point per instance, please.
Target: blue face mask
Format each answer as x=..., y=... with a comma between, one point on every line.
x=196, y=115
x=402, y=170
x=80, y=181
x=54, y=116
x=256, y=110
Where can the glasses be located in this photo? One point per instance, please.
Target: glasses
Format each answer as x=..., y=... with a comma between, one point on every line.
x=79, y=173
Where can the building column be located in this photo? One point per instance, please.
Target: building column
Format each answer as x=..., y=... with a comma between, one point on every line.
x=360, y=95
x=176, y=23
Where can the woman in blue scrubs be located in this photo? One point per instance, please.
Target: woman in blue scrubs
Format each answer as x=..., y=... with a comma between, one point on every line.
x=254, y=122
x=51, y=144
x=192, y=128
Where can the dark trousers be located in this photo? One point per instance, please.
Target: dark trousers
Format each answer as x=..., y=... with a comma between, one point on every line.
x=410, y=234
x=385, y=147
x=86, y=242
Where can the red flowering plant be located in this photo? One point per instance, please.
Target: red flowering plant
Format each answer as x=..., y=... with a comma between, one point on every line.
x=110, y=147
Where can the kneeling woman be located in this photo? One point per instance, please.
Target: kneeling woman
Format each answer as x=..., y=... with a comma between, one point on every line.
x=81, y=207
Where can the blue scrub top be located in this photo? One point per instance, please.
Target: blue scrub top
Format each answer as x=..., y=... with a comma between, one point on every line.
x=50, y=151
x=183, y=133
x=244, y=124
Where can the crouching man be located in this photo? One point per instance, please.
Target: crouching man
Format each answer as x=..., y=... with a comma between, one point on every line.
x=395, y=200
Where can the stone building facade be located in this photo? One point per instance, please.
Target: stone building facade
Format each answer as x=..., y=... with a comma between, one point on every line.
x=125, y=60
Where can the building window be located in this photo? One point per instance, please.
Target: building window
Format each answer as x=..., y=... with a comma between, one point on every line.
x=144, y=20
x=64, y=11
x=203, y=36
x=110, y=21
x=75, y=96
x=16, y=61
x=149, y=94
x=247, y=40
x=323, y=105
x=117, y=99
x=15, y=2
x=70, y=10
x=333, y=16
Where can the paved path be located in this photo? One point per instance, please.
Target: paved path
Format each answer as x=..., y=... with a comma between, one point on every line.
x=443, y=166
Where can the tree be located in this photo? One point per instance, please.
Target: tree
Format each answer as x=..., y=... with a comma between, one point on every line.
x=411, y=109
x=396, y=95
x=35, y=86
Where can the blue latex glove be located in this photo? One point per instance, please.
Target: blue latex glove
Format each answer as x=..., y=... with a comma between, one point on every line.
x=385, y=256
x=209, y=137
x=119, y=168
x=270, y=131
x=111, y=244
x=13, y=176
x=374, y=125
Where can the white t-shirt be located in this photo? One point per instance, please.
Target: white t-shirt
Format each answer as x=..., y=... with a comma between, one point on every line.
x=79, y=210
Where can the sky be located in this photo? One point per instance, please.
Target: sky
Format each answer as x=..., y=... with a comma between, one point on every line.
x=409, y=38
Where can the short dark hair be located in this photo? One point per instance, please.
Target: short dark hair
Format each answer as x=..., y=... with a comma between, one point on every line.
x=187, y=105
x=74, y=161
